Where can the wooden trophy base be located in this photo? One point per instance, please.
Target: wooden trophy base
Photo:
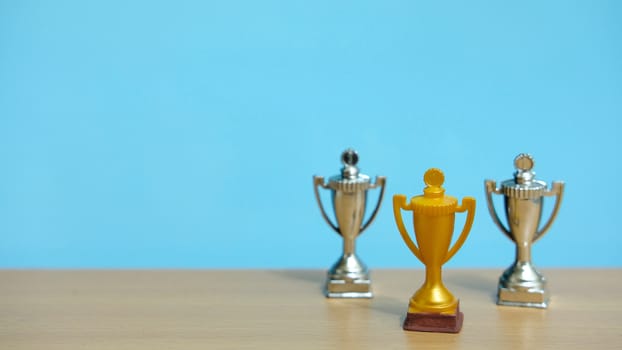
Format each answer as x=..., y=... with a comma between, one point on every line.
x=432, y=322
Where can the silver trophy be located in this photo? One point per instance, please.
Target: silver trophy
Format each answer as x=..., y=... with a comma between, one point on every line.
x=349, y=277
x=521, y=284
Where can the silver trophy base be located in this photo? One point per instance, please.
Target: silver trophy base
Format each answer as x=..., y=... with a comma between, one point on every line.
x=523, y=298
x=522, y=285
x=348, y=278
x=344, y=288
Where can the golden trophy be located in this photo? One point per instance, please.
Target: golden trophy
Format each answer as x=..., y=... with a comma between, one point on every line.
x=349, y=277
x=433, y=308
x=521, y=284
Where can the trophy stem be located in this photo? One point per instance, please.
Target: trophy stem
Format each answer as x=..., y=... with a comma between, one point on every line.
x=433, y=276
x=348, y=246
x=523, y=252
x=433, y=296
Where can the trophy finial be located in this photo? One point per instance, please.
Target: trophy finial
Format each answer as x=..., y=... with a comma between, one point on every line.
x=349, y=158
x=434, y=179
x=523, y=164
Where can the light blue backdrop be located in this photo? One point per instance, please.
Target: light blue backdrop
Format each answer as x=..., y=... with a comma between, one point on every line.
x=186, y=133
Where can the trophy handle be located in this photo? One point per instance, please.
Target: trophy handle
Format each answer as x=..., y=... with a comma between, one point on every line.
x=380, y=181
x=468, y=203
x=491, y=187
x=399, y=203
x=319, y=181
x=557, y=190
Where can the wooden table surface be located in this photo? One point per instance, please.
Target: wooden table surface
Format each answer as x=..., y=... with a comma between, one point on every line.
x=285, y=309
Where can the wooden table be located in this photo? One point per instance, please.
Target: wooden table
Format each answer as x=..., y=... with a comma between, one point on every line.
x=285, y=309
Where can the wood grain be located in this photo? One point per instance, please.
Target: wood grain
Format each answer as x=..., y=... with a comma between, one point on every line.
x=285, y=309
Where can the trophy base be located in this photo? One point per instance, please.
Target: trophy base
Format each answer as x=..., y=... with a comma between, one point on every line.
x=432, y=322
x=523, y=298
x=337, y=288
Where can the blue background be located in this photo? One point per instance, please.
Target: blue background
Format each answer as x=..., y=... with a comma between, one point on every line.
x=186, y=133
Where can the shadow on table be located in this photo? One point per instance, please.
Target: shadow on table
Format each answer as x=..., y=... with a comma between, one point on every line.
x=311, y=276
x=379, y=302
x=390, y=306
x=474, y=281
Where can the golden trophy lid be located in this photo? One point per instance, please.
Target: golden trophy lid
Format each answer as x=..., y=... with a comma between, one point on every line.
x=524, y=183
x=350, y=179
x=434, y=201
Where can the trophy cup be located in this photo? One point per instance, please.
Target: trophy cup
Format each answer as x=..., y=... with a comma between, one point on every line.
x=433, y=308
x=521, y=284
x=349, y=277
